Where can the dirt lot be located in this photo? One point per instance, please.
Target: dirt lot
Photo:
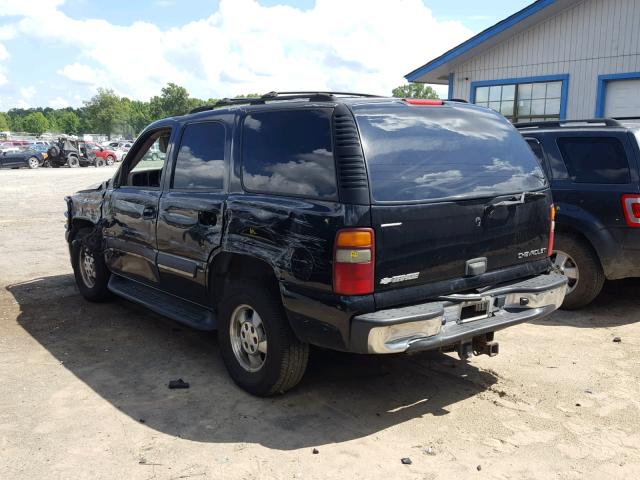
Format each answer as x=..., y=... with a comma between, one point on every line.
x=83, y=387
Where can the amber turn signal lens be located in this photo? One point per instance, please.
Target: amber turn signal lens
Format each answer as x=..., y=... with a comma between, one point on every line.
x=355, y=238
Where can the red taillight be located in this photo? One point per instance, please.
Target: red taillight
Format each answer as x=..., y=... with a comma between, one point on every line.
x=353, y=261
x=552, y=230
x=631, y=208
x=423, y=101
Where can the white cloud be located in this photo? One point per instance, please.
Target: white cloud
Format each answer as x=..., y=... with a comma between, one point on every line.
x=245, y=47
x=27, y=93
x=58, y=102
x=76, y=72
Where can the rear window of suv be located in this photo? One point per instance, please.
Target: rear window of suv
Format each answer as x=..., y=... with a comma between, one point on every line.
x=417, y=153
x=289, y=152
x=595, y=159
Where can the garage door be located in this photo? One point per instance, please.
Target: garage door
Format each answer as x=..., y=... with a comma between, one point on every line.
x=622, y=98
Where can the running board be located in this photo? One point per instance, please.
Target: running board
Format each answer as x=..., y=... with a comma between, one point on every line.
x=160, y=302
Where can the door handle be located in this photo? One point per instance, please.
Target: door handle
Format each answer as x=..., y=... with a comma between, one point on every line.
x=207, y=217
x=148, y=212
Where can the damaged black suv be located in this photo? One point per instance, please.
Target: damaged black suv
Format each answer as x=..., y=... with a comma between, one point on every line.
x=351, y=222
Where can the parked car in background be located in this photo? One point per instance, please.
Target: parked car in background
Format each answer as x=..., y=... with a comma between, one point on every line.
x=109, y=156
x=593, y=167
x=7, y=147
x=22, y=158
x=353, y=222
x=38, y=147
x=73, y=153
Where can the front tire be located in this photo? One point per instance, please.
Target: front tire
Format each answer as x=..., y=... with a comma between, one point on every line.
x=261, y=352
x=89, y=268
x=110, y=160
x=576, y=259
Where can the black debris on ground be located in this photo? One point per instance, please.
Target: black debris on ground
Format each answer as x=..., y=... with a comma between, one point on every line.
x=617, y=340
x=479, y=467
x=406, y=461
x=174, y=384
x=315, y=451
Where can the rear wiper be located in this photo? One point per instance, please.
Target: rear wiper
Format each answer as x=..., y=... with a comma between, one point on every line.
x=516, y=200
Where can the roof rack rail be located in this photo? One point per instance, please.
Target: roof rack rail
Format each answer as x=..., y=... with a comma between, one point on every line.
x=626, y=118
x=609, y=122
x=313, y=96
x=459, y=100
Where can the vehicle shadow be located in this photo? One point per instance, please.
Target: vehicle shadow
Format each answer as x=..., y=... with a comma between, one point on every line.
x=616, y=305
x=128, y=355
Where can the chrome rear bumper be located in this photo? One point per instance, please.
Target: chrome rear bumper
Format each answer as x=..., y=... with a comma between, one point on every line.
x=457, y=318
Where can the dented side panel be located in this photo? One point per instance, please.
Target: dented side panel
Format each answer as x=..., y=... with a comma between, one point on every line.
x=296, y=238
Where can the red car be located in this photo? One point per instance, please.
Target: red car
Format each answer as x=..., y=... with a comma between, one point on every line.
x=108, y=155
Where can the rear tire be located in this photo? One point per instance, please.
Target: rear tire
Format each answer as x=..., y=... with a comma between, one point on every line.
x=581, y=266
x=100, y=162
x=262, y=354
x=89, y=268
x=73, y=162
x=33, y=163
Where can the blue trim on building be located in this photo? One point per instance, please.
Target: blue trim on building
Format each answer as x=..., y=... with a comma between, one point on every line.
x=601, y=96
x=482, y=37
x=450, y=92
x=564, y=78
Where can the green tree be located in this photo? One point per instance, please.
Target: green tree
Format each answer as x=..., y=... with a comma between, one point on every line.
x=414, y=90
x=173, y=100
x=138, y=115
x=67, y=122
x=104, y=112
x=4, y=122
x=36, y=123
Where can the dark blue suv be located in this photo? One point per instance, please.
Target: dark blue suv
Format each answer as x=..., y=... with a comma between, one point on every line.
x=593, y=167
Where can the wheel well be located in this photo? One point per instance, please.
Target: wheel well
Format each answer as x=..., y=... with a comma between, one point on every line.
x=570, y=231
x=229, y=267
x=78, y=224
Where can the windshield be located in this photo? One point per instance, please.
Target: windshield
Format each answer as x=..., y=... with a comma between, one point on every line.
x=417, y=153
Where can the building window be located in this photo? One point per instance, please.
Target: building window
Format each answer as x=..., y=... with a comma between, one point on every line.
x=523, y=102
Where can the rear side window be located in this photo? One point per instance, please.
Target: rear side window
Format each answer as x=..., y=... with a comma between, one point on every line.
x=595, y=159
x=536, y=148
x=200, y=161
x=433, y=153
x=289, y=152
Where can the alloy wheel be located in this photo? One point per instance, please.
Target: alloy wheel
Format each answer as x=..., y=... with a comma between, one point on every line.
x=248, y=338
x=568, y=267
x=87, y=267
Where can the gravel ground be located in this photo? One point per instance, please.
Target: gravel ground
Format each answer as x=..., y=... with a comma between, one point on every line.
x=84, y=387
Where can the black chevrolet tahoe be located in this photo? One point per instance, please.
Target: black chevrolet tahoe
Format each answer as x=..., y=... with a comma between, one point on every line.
x=351, y=222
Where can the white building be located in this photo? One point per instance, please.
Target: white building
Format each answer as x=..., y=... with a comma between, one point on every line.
x=555, y=59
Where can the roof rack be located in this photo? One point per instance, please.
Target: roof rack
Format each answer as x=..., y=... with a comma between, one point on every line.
x=312, y=96
x=459, y=100
x=609, y=122
x=626, y=118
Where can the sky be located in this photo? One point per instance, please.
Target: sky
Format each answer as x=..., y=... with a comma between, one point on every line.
x=57, y=53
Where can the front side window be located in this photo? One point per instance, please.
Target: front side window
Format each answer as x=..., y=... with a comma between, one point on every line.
x=200, y=161
x=523, y=102
x=595, y=159
x=289, y=152
x=145, y=170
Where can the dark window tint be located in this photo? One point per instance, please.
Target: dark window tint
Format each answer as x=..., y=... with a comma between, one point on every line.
x=200, y=162
x=537, y=150
x=427, y=153
x=290, y=153
x=594, y=159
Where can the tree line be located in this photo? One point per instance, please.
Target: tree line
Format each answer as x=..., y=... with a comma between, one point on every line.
x=109, y=114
